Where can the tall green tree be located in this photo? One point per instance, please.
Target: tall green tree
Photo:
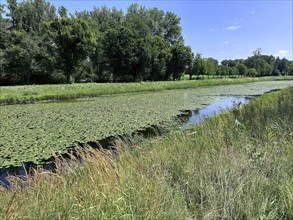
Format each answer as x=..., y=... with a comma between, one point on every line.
x=252, y=72
x=260, y=64
x=172, y=29
x=72, y=38
x=21, y=58
x=223, y=71
x=3, y=41
x=159, y=54
x=62, y=12
x=13, y=13
x=242, y=70
x=121, y=53
x=199, y=65
x=286, y=64
x=136, y=19
x=4, y=34
x=155, y=22
x=211, y=66
x=180, y=61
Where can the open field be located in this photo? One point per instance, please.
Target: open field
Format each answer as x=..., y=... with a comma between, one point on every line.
x=219, y=170
x=22, y=94
x=34, y=132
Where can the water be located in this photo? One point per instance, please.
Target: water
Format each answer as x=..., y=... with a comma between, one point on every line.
x=218, y=105
x=20, y=171
x=190, y=118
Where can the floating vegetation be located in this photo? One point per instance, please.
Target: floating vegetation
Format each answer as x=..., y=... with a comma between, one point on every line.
x=34, y=132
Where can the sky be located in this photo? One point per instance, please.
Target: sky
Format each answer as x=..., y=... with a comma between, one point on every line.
x=220, y=29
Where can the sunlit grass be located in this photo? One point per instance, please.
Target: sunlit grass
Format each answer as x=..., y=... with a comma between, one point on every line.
x=31, y=93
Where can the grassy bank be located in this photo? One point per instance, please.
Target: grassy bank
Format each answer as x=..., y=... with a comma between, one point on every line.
x=238, y=165
x=21, y=94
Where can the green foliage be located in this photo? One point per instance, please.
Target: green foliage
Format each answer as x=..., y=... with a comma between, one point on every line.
x=211, y=66
x=72, y=38
x=22, y=58
x=229, y=63
x=199, y=65
x=252, y=72
x=100, y=45
x=267, y=65
x=222, y=71
x=158, y=55
x=179, y=63
x=106, y=45
x=125, y=54
x=242, y=69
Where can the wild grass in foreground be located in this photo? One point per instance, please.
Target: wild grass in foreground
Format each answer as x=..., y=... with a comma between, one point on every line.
x=238, y=165
x=33, y=93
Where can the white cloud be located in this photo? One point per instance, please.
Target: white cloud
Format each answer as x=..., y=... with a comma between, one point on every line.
x=232, y=28
x=252, y=12
x=225, y=42
x=281, y=53
x=221, y=52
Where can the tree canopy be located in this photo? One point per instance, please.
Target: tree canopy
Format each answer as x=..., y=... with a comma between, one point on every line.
x=41, y=44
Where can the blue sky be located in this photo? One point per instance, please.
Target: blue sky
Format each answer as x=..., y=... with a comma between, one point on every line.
x=221, y=29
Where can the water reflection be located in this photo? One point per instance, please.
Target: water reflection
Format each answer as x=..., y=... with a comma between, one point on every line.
x=218, y=105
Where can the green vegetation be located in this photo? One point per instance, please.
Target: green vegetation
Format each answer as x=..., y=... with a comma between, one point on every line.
x=237, y=165
x=101, y=45
x=39, y=45
x=33, y=132
x=32, y=93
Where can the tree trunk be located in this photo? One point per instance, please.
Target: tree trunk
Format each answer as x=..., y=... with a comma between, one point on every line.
x=67, y=78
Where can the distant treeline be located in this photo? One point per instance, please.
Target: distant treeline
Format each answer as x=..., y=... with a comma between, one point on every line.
x=41, y=44
x=254, y=66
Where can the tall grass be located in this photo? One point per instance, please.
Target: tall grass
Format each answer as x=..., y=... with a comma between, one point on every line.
x=238, y=165
x=31, y=93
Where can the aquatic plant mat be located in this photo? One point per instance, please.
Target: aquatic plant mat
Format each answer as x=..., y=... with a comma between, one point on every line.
x=237, y=165
x=35, y=132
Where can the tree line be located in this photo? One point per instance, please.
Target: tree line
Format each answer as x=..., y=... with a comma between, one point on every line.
x=41, y=44
x=256, y=65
